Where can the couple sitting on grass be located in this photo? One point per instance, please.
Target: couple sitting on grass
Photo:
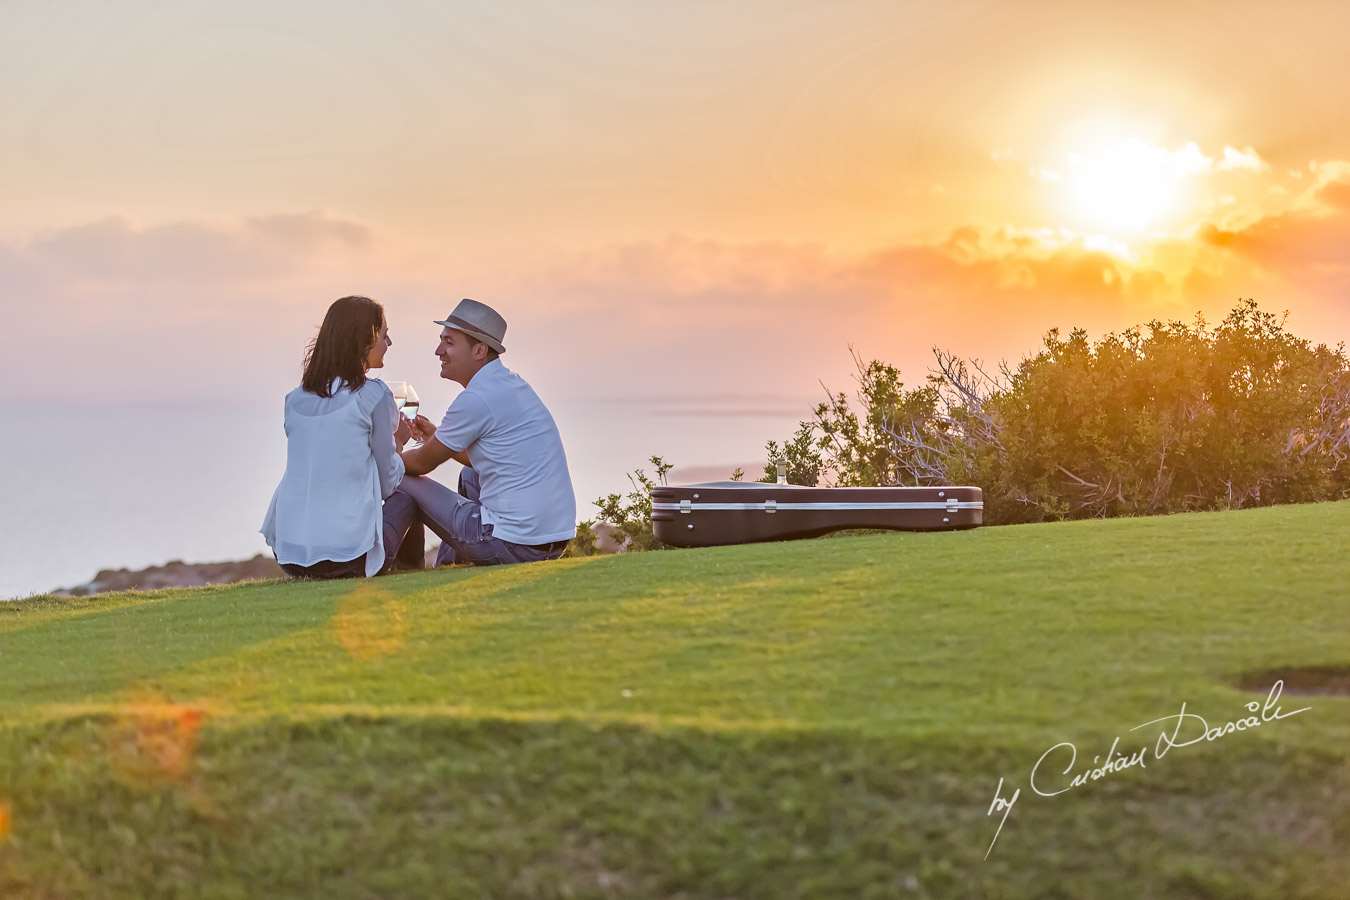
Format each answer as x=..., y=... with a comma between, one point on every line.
x=351, y=498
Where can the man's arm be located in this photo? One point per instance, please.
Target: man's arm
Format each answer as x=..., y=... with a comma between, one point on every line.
x=428, y=455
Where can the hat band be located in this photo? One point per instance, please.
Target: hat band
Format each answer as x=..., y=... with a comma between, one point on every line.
x=469, y=327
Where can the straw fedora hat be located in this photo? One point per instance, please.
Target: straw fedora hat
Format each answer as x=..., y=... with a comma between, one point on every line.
x=480, y=321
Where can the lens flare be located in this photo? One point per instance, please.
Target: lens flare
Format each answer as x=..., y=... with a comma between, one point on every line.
x=370, y=623
x=154, y=741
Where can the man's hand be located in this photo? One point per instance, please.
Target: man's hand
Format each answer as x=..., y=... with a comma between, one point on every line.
x=423, y=428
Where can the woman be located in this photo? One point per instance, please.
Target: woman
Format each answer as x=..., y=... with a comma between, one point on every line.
x=343, y=432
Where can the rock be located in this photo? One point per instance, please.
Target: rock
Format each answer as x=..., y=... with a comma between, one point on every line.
x=604, y=540
x=176, y=574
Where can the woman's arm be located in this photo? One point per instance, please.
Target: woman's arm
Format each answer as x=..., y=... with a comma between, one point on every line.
x=387, y=430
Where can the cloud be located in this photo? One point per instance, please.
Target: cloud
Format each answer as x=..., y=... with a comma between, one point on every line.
x=689, y=314
x=1328, y=171
x=1246, y=160
x=309, y=231
x=1137, y=158
x=1335, y=195
x=1313, y=232
x=714, y=288
x=1330, y=186
x=1133, y=158
x=199, y=304
x=112, y=308
x=1188, y=160
x=116, y=251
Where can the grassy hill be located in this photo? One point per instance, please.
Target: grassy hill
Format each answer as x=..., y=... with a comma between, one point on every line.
x=825, y=718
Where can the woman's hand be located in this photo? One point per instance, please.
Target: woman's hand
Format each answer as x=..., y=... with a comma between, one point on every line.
x=402, y=432
x=423, y=428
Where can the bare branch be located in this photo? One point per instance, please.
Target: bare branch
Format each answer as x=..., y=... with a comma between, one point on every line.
x=1076, y=478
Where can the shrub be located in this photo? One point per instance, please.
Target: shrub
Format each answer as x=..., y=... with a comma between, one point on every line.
x=1155, y=419
x=1159, y=418
x=631, y=516
x=584, y=544
x=802, y=455
x=849, y=450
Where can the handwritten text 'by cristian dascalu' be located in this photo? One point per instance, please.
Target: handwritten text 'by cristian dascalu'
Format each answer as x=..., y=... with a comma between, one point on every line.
x=1047, y=778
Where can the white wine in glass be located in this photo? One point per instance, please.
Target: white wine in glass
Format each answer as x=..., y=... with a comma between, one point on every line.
x=411, y=403
x=400, y=391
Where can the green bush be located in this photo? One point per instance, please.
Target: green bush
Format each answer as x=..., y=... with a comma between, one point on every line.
x=801, y=454
x=849, y=450
x=584, y=544
x=631, y=516
x=1156, y=419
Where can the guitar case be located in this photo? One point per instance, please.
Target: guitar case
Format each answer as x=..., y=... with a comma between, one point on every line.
x=737, y=512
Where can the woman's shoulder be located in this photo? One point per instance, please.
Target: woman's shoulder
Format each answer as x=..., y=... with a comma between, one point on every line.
x=375, y=389
x=374, y=393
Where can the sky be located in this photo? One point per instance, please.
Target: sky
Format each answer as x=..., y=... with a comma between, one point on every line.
x=699, y=207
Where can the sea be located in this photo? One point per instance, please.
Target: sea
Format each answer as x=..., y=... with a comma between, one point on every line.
x=136, y=485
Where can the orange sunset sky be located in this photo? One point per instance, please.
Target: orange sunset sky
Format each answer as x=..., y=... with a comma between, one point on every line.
x=700, y=204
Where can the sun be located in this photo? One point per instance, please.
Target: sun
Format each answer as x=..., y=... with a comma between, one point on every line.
x=1129, y=186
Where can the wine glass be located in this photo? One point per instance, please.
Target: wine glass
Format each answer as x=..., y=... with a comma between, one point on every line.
x=411, y=403
x=400, y=391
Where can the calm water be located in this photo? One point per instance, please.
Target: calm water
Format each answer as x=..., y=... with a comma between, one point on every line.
x=137, y=486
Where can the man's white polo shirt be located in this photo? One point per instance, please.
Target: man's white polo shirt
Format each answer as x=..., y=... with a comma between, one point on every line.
x=515, y=447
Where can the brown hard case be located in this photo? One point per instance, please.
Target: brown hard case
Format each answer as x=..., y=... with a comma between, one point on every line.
x=736, y=512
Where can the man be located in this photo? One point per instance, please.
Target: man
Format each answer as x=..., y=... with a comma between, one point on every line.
x=515, y=500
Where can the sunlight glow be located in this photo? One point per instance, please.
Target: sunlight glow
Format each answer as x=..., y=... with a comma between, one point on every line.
x=1104, y=243
x=1128, y=186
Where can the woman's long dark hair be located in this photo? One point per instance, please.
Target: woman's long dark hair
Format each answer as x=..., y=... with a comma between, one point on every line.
x=348, y=332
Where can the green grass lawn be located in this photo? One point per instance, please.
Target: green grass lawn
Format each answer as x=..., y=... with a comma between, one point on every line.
x=823, y=718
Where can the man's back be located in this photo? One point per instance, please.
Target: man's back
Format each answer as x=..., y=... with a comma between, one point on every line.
x=515, y=448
